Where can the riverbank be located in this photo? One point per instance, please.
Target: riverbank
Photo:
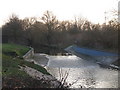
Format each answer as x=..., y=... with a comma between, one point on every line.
x=19, y=73
x=47, y=79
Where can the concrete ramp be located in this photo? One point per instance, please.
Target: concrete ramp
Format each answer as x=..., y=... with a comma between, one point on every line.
x=106, y=58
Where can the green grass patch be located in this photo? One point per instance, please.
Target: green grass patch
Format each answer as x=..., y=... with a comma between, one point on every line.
x=18, y=49
x=10, y=65
x=11, y=69
x=35, y=66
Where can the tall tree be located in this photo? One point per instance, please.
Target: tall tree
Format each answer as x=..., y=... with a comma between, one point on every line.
x=28, y=28
x=13, y=28
x=51, y=23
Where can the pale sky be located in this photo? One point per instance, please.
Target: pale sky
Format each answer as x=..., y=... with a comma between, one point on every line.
x=93, y=10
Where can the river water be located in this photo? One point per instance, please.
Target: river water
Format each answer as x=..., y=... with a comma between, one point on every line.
x=82, y=73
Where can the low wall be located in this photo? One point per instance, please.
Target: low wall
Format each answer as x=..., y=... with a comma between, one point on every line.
x=29, y=54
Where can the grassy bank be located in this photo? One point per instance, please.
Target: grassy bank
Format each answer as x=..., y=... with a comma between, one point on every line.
x=12, y=76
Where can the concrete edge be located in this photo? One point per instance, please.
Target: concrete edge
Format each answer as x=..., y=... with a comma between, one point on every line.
x=29, y=54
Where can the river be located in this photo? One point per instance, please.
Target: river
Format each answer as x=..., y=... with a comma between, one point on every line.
x=82, y=73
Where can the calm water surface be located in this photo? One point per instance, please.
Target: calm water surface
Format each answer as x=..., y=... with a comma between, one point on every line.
x=84, y=73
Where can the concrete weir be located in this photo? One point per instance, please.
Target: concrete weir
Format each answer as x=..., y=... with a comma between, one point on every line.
x=42, y=60
x=102, y=58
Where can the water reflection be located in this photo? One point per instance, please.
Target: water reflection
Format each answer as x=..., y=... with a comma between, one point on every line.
x=82, y=73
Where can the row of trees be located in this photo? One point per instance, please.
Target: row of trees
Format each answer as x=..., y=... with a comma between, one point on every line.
x=51, y=36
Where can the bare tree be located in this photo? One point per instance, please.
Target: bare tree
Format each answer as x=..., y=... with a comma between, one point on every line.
x=51, y=23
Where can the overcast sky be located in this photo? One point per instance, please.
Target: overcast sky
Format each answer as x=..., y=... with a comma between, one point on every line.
x=93, y=10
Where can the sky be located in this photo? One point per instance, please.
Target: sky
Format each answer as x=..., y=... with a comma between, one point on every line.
x=93, y=10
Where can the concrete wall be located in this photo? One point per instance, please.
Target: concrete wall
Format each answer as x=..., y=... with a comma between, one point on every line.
x=29, y=54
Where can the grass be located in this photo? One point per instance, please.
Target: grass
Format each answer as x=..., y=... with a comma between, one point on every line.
x=18, y=49
x=11, y=71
